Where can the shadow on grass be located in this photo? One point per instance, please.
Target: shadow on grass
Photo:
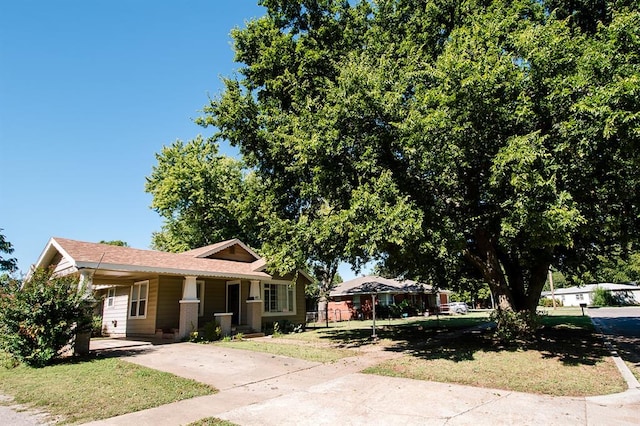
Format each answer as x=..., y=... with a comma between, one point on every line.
x=571, y=340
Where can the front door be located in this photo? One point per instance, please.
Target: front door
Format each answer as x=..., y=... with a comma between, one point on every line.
x=233, y=302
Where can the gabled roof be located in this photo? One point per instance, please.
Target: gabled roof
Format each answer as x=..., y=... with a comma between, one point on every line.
x=375, y=284
x=80, y=255
x=204, y=252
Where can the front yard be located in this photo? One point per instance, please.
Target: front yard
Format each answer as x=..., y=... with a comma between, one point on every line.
x=83, y=391
x=568, y=358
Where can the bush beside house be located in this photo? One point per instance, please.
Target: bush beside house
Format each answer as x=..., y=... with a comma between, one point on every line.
x=40, y=319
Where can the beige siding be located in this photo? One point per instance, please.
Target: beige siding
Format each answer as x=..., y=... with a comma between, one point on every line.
x=169, y=295
x=215, y=292
x=146, y=326
x=245, y=286
x=61, y=265
x=114, y=318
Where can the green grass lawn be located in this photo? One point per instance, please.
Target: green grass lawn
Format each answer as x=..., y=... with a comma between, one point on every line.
x=82, y=391
x=567, y=359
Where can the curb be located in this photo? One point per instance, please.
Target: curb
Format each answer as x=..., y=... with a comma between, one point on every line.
x=630, y=396
x=627, y=375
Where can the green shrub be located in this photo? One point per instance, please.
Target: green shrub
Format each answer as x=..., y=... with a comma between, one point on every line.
x=96, y=326
x=209, y=333
x=276, y=330
x=514, y=327
x=604, y=297
x=39, y=320
x=548, y=303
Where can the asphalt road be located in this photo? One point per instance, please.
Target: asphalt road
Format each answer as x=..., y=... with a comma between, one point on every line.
x=622, y=325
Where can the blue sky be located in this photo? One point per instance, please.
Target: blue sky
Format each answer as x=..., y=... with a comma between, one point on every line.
x=89, y=92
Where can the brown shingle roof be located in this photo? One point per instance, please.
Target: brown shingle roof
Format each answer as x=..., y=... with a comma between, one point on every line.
x=105, y=256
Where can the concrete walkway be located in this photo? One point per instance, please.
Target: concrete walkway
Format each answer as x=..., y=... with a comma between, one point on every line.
x=262, y=389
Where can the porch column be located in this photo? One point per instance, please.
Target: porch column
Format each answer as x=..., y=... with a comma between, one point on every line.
x=83, y=331
x=254, y=307
x=254, y=290
x=188, y=307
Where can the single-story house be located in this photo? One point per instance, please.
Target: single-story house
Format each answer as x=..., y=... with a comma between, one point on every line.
x=574, y=296
x=149, y=293
x=353, y=299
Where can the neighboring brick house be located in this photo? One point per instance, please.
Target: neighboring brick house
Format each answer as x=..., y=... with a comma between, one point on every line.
x=150, y=293
x=353, y=299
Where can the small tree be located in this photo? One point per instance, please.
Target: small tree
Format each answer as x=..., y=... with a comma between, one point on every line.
x=604, y=297
x=38, y=320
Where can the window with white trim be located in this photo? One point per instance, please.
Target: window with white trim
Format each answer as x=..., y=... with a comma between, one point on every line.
x=279, y=298
x=111, y=297
x=138, y=300
x=579, y=296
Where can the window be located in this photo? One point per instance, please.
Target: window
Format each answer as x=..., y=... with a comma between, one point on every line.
x=356, y=301
x=139, y=294
x=579, y=296
x=111, y=297
x=385, y=299
x=279, y=298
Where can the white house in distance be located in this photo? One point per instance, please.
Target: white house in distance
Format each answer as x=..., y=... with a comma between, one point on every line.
x=574, y=296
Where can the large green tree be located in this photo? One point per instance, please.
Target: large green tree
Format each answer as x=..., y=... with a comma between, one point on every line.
x=444, y=134
x=197, y=191
x=315, y=216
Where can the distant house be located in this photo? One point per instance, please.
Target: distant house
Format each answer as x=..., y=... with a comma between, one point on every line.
x=353, y=299
x=574, y=296
x=150, y=293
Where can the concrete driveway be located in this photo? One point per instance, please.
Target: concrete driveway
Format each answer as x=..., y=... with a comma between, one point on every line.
x=262, y=389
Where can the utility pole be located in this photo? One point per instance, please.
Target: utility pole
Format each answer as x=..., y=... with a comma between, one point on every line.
x=553, y=296
x=373, y=299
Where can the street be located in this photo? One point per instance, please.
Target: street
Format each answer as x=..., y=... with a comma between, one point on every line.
x=622, y=325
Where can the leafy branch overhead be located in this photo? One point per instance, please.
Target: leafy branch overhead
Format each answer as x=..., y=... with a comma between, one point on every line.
x=446, y=139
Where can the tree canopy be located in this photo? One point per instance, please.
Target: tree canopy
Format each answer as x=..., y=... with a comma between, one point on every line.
x=444, y=138
x=200, y=195
x=118, y=243
x=7, y=264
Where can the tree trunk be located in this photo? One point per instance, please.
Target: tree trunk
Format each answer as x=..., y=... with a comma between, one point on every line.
x=513, y=288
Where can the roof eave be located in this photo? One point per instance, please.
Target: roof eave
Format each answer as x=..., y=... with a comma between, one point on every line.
x=171, y=271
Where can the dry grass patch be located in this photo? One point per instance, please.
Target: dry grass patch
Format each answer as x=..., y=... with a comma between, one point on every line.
x=566, y=359
x=307, y=352
x=635, y=368
x=521, y=370
x=212, y=421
